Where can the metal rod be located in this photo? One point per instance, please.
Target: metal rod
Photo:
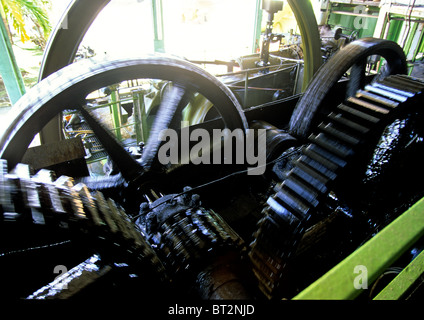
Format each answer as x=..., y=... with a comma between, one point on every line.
x=403, y=19
x=116, y=113
x=255, y=69
x=296, y=78
x=356, y=14
x=287, y=59
x=255, y=88
x=246, y=88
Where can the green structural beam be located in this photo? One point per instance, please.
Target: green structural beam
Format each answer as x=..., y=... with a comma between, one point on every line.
x=116, y=112
x=346, y=280
x=257, y=27
x=159, y=41
x=400, y=285
x=9, y=70
x=307, y=23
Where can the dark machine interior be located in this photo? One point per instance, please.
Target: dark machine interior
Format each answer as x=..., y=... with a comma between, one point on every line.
x=343, y=160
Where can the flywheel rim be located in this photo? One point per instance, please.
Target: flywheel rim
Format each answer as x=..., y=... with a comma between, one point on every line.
x=330, y=73
x=66, y=88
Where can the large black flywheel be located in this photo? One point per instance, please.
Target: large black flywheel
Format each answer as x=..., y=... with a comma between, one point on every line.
x=68, y=88
x=50, y=224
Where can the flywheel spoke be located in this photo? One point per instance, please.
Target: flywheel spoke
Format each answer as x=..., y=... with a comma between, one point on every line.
x=357, y=78
x=127, y=165
x=173, y=98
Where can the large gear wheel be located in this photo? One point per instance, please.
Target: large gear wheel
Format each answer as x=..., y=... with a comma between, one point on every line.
x=347, y=133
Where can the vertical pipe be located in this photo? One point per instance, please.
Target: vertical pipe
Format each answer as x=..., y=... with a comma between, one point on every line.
x=159, y=42
x=246, y=88
x=116, y=112
x=296, y=78
x=137, y=117
x=142, y=131
x=257, y=26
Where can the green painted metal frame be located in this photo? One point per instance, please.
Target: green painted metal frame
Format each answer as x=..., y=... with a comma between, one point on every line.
x=400, y=285
x=141, y=126
x=307, y=23
x=9, y=69
x=375, y=255
x=345, y=15
x=116, y=112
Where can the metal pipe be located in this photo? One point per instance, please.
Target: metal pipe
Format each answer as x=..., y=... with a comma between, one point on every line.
x=253, y=69
x=408, y=22
x=157, y=12
x=412, y=20
x=287, y=59
x=257, y=25
x=223, y=279
x=116, y=113
x=246, y=88
x=356, y=14
x=296, y=78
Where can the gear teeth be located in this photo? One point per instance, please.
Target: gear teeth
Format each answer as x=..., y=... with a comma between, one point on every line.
x=281, y=213
x=358, y=114
x=310, y=176
x=330, y=159
x=321, y=161
x=402, y=85
x=5, y=194
x=318, y=166
x=416, y=85
x=89, y=205
x=382, y=90
x=105, y=214
x=307, y=194
x=332, y=145
x=337, y=118
x=376, y=98
x=340, y=135
x=400, y=92
x=30, y=193
x=368, y=105
x=292, y=202
x=187, y=238
x=44, y=176
x=42, y=199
